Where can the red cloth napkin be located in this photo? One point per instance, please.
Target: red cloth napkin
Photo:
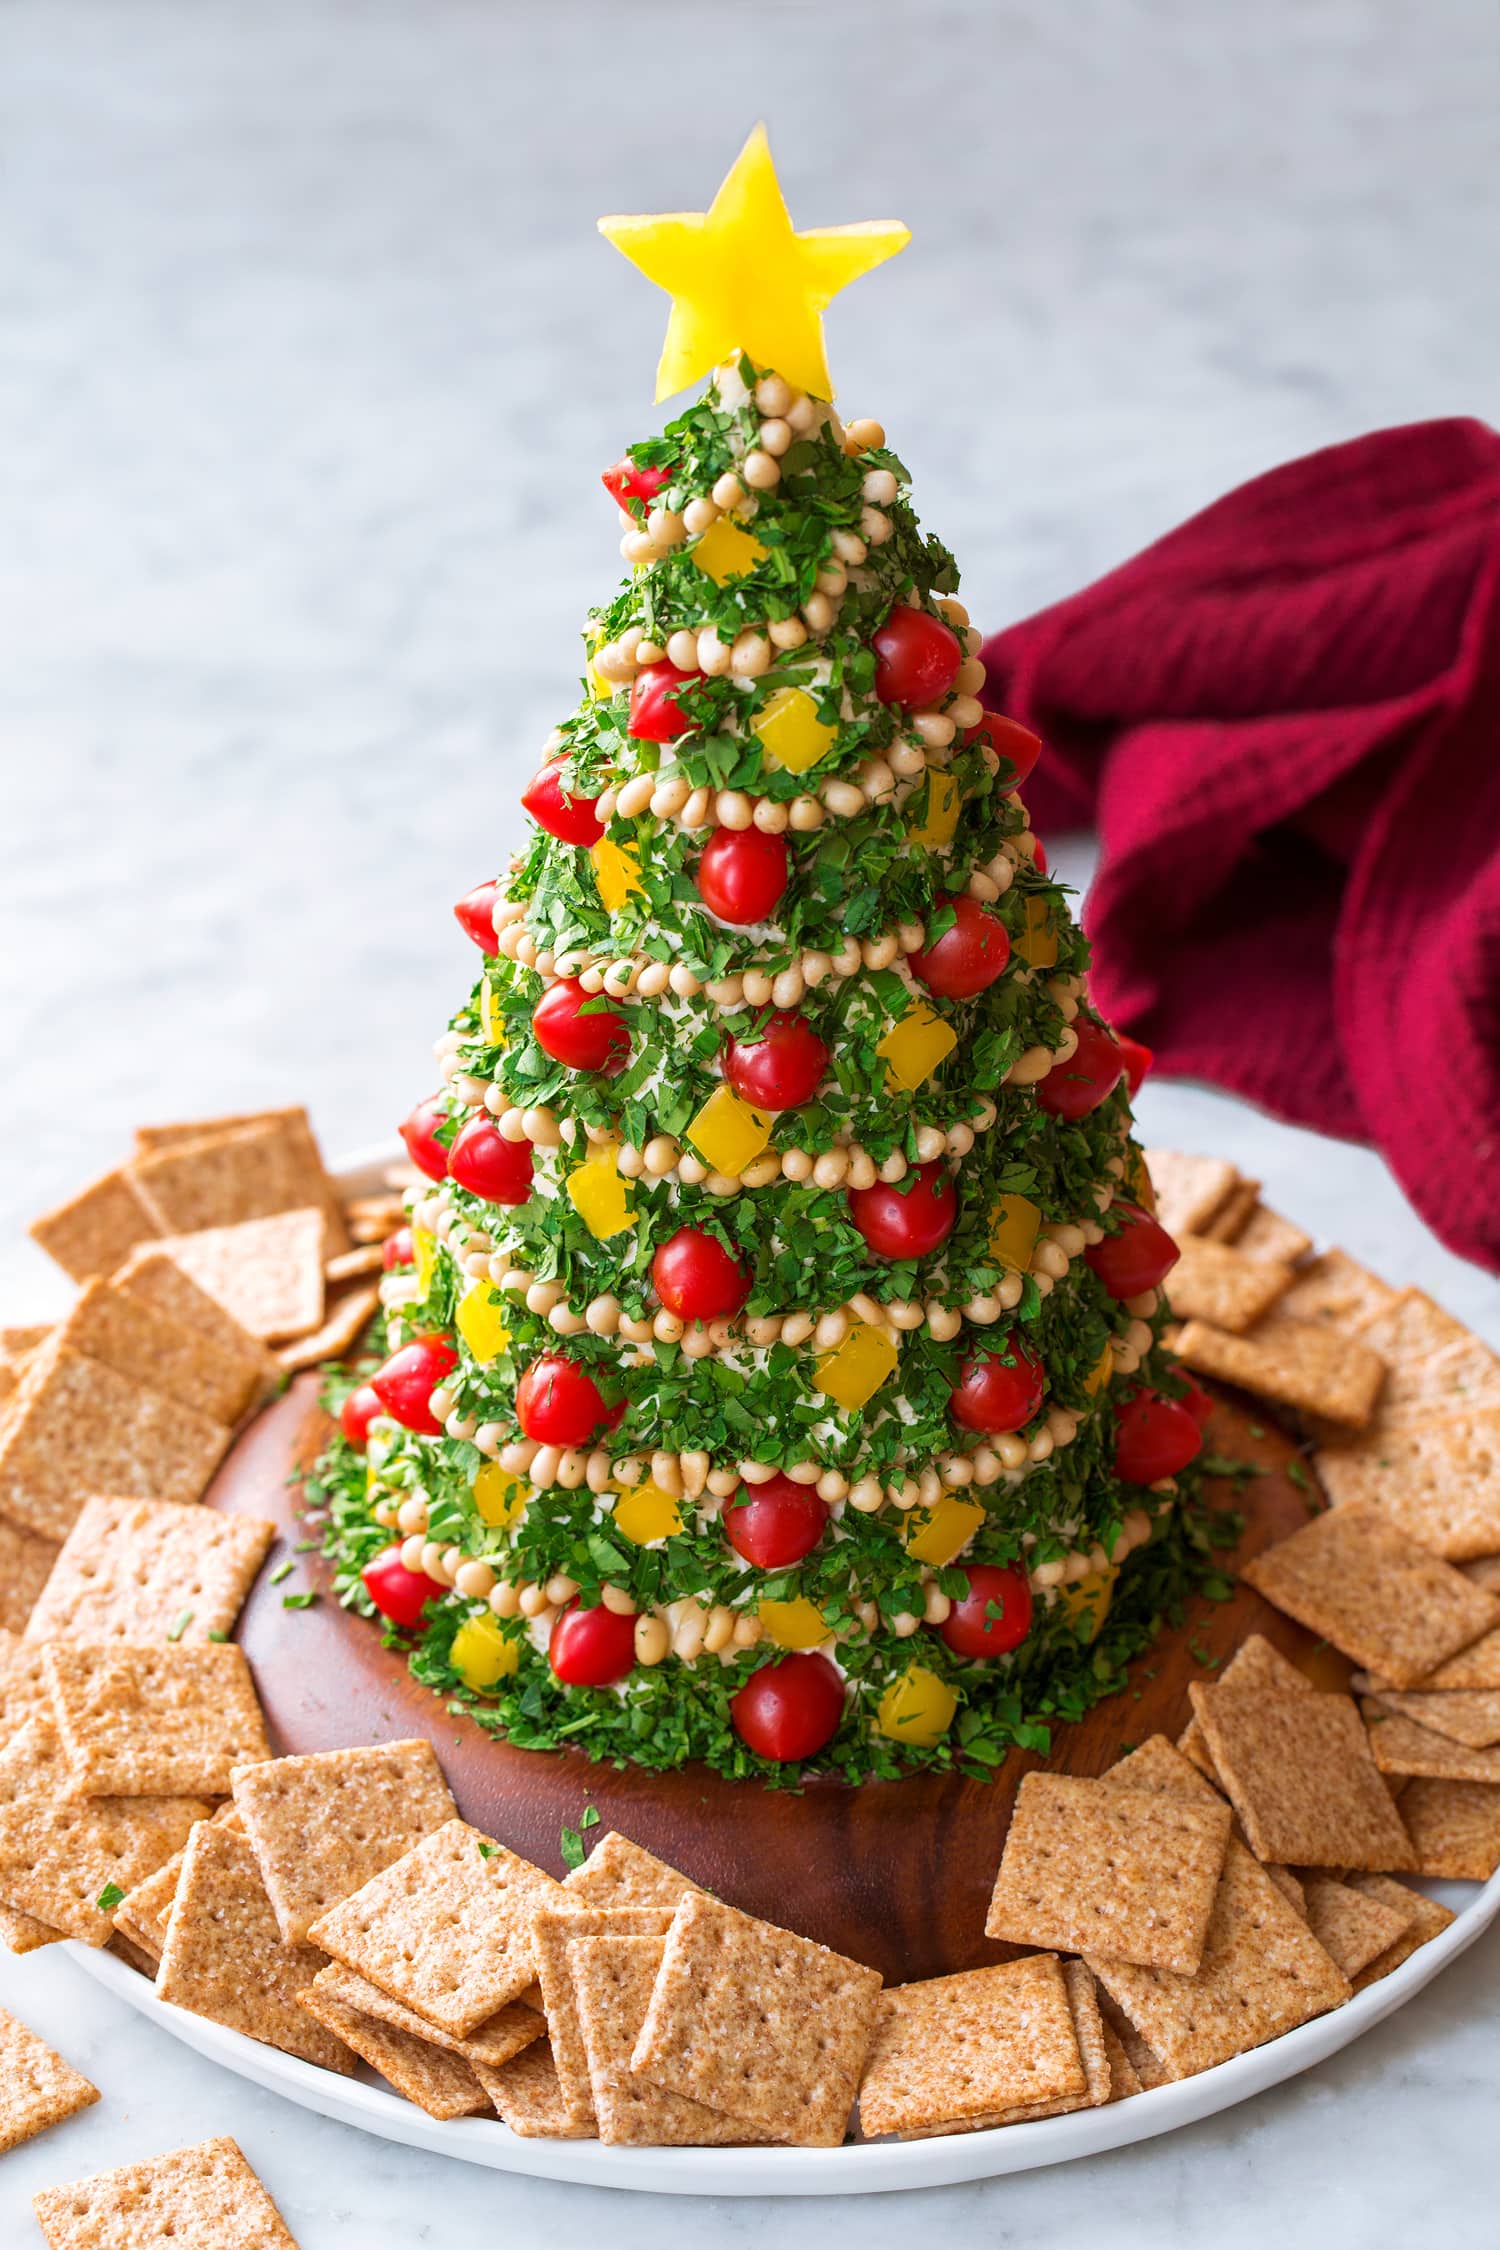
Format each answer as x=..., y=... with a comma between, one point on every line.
x=1285, y=719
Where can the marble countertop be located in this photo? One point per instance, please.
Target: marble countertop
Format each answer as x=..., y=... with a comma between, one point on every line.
x=311, y=356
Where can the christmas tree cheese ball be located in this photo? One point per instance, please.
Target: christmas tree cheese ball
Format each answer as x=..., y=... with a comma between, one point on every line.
x=775, y=1373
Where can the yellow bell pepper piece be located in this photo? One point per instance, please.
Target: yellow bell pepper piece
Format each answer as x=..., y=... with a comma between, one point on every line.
x=726, y=550
x=939, y=1534
x=729, y=1133
x=1014, y=1227
x=791, y=732
x=480, y=1320
x=1085, y=1603
x=852, y=1373
x=916, y=1709
x=1036, y=941
x=617, y=872
x=1100, y=1372
x=491, y=1021
x=499, y=1497
x=940, y=821
x=794, y=1624
x=646, y=1513
x=423, y=1257
x=912, y=1049
x=481, y=1654
x=598, y=1194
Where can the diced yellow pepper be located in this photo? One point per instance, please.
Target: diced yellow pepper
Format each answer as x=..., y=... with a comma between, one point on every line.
x=912, y=1049
x=617, y=872
x=726, y=550
x=480, y=1320
x=1014, y=1226
x=491, y=1020
x=795, y=1624
x=1037, y=939
x=423, y=1257
x=646, y=1513
x=600, y=688
x=791, y=732
x=598, y=1194
x=852, y=1374
x=729, y=1133
x=1138, y=1180
x=1085, y=1603
x=917, y=1709
x=939, y=1534
x=944, y=803
x=499, y=1497
x=481, y=1654
x=1100, y=1373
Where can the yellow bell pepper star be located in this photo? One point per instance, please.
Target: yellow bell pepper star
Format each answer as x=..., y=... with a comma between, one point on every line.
x=741, y=280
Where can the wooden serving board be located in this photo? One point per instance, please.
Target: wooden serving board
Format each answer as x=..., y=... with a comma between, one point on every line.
x=897, y=1874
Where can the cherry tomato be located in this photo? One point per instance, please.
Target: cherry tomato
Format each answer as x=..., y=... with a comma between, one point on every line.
x=995, y=1614
x=399, y=1594
x=996, y=1394
x=1154, y=1437
x=357, y=1413
x=404, y=1386
x=969, y=955
x=742, y=874
x=1140, y=1256
x=396, y=1250
x=908, y=1219
x=1197, y=1401
x=1016, y=745
x=559, y=1403
x=591, y=1647
x=789, y=1709
x=624, y=482
x=555, y=806
x=655, y=713
x=917, y=658
x=697, y=1279
x=1138, y=1060
x=781, y=1067
x=1039, y=856
x=1089, y=1076
x=475, y=916
x=420, y=1135
x=486, y=1163
x=775, y=1524
x=580, y=1029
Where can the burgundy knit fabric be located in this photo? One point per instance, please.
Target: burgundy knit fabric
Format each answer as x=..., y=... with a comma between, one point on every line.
x=1284, y=719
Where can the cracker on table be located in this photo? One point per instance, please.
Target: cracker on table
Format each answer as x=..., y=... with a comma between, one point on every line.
x=111, y=1326
x=553, y=1933
x=347, y=1316
x=1215, y=1281
x=1254, y=1664
x=152, y=1277
x=492, y=2042
x=446, y=1929
x=323, y=1824
x=1233, y=1215
x=620, y=1873
x=758, y=2023
x=90, y=1233
x=154, y=1721
x=1266, y=1234
x=1120, y=1870
x=75, y=1427
x=1292, y=1362
x=526, y=2096
x=37, y=2088
x=223, y=1957
x=1189, y=1189
x=267, y=1274
x=612, y=1979
x=1299, y=1773
x=202, y=2198
x=1353, y=1927
x=1437, y=1481
x=1454, y=1827
x=1423, y=1918
x=1400, y=1745
x=1467, y=1715
x=440, y=2083
x=150, y=1570
x=25, y=1566
x=975, y=2045
x=1263, y=1972
x=1338, y=1292
x=144, y=1912
x=1377, y=1595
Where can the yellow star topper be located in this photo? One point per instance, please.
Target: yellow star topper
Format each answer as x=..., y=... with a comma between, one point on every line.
x=741, y=280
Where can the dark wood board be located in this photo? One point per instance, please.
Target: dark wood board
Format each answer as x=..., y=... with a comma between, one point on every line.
x=897, y=1874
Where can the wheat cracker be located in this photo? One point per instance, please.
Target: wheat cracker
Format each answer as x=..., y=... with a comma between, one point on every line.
x=201, y=2198
x=1467, y=1715
x=1353, y=1927
x=612, y=1979
x=492, y=2042
x=621, y=1873
x=323, y=1824
x=1438, y=1481
x=1215, y=1281
x=1422, y=1917
x=1336, y=1291
x=1300, y=1776
x=1454, y=1827
x=553, y=1934
x=267, y=1273
x=1400, y=1745
x=152, y=1277
x=110, y=1325
x=90, y=1233
x=1293, y=1363
x=439, y=2083
x=1188, y=1189
x=150, y=1570
x=37, y=2088
x=154, y=1720
x=525, y=2095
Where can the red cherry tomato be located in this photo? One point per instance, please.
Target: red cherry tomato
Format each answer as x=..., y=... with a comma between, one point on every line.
x=775, y=1524
x=1138, y=1060
x=1089, y=1076
x=486, y=1163
x=404, y=1386
x=1039, y=856
x=555, y=806
x=1140, y=1256
x=780, y=1068
x=578, y=1028
x=591, y=1647
x=1016, y=745
x=397, y=1250
x=697, y=1279
x=916, y=658
x=655, y=713
x=357, y=1413
x=1197, y=1401
x=399, y=1594
x=559, y=1403
x=475, y=916
x=995, y=1614
x=969, y=955
x=789, y=1709
x=624, y=482
x=420, y=1135
x=910, y=1219
x=996, y=1394
x=1154, y=1437
x=742, y=874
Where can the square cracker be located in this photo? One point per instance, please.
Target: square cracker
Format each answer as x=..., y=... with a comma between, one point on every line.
x=152, y=1277
x=1189, y=1189
x=1455, y=1827
x=322, y=1825
x=58, y=1856
x=527, y=2097
x=440, y=2083
x=1127, y=1871
x=75, y=1427
x=298, y=1138
x=142, y=1915
x=553, y=1935
x=1438, y=1481
x=971, y=2046
x=1477, y=1666
x=1155, y=1764
x=25, y=1566
x=1422, y=1917
x=1254, y=1664
x=37, y=2088
x=612, y=1979
x=1233, y=1215
x=1099, y=2051
x=203, y=2198
x=109, y=1325
x=346, y=1317
x=1300, y=1776
x=1334, y=1290
x=1380, y=1597
x=619, y=1873
x=223, y=1179
x=155, y=1721
x=1467, y=1715
x=1266, y=1234
x=1400, y=1745
x=1215, y=1281
x=267, y=1274
x=758, y=2023
x=224, y=1959
x=1263, y=1972
x=446, y=1929
x=1353, y=1927
x=1292, y=1362
x=492, y=2043
x=90, y=1233
x=147, y=1570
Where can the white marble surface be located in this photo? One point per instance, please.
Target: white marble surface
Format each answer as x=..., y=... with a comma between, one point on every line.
x=310, y=359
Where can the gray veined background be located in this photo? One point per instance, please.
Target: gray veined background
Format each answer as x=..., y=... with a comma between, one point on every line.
x=309, y=360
